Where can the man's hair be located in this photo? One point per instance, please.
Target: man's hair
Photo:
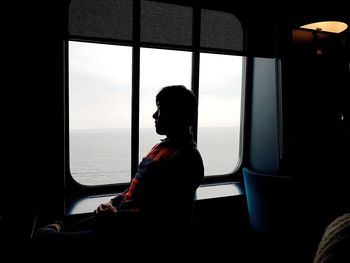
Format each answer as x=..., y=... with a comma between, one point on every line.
x=334, y=244
x=178, y=101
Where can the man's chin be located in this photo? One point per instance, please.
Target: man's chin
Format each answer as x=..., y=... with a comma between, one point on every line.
x=160, y=132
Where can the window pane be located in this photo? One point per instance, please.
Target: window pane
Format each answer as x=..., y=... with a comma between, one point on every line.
x=103, y=18
x=166, y=23
x=158, y=68
x=219, y=113
x=220, y=30
x=99, y=113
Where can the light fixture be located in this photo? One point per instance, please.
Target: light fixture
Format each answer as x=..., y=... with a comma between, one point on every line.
x=327, y=26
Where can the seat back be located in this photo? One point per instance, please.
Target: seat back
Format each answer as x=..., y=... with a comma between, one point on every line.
x=270, y=201
x=183, y=229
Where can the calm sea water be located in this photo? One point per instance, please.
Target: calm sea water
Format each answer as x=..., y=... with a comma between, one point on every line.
x=103, y=156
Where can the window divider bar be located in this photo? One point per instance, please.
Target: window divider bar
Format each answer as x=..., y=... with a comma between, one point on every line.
x=135, y=94
x=195, y=86
x=195, y=60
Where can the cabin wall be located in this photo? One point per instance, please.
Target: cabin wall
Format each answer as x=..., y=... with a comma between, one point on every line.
x=315, y=80
x=264, y=140
x=32, y=179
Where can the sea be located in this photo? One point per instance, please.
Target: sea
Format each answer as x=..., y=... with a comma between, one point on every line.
x=103, y=156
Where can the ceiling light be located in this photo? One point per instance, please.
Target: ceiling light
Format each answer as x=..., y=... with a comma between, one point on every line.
x=327, y=26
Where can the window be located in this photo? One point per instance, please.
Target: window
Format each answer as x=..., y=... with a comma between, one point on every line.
x=158, y=68
x=99, y=113
x=219, y=112
x=101, y=150
x=100, y=108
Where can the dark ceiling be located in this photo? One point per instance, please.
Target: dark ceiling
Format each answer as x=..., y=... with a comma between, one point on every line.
x=284, y=13
x=269, y=23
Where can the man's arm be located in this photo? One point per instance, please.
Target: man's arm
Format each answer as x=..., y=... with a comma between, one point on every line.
x=106, y=208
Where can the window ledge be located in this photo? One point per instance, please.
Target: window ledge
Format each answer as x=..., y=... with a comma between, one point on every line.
x=87, y=204
x=219, y=191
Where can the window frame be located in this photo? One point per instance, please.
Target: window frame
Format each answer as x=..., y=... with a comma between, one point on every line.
x=75, y=188
x=135, y=104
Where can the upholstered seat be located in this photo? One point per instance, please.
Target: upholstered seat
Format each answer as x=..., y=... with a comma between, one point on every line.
x=271, y=201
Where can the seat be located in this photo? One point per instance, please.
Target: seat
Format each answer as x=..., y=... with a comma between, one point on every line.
x=171, y=231
x=181, y=233
x=271, y=202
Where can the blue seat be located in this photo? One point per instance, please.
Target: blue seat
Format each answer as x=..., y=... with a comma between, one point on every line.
x=271, y=202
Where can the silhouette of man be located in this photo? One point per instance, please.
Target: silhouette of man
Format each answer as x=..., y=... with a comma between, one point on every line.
x=159, y=199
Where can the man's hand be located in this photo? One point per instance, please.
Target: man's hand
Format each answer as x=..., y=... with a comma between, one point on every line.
x=105, y=208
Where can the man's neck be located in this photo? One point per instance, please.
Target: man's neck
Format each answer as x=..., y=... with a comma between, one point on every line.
x=179, y=135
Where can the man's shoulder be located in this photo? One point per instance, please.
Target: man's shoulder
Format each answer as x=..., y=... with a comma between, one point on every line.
x=188, y=153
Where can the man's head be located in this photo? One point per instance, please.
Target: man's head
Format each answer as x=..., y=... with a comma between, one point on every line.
x=177, y=108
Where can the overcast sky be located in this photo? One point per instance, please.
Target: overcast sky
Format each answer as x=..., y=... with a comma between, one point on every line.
x=100, y=85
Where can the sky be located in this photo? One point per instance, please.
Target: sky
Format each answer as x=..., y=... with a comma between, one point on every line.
x=100, y=85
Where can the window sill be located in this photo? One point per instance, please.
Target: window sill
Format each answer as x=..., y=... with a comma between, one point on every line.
x=85, y=205
x=213, y=191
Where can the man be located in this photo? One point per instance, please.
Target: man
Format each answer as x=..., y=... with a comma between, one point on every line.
x=159, y=200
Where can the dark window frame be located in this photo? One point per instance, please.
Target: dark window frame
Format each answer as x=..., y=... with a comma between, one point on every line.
x=74, y=188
